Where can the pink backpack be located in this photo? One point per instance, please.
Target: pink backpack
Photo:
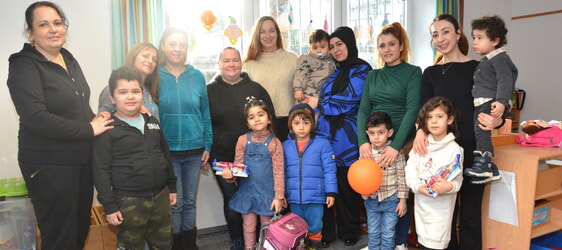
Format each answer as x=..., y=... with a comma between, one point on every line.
x=287, y=232
x=550, y=137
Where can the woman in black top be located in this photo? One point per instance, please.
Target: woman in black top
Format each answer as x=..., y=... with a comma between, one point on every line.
x=228, y=94
x=451, y=77
x=57, y=125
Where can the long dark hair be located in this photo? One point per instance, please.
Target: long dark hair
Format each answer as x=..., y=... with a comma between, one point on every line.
x=447, y=105
x=259, y=103
x=463, y=42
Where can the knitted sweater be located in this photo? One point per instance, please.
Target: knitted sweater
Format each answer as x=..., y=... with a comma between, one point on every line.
x=274, y=71
x=456, y=85
x=495, y=78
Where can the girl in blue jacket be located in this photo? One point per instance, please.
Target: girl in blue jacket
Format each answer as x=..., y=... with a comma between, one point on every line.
x=310, y=172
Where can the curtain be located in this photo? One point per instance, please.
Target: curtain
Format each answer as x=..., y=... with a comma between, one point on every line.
x=453, y=7
x=135, y=21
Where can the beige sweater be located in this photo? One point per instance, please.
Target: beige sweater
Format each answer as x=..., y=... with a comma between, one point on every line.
x=274, y=71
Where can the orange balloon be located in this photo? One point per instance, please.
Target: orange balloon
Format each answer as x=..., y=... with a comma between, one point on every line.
x=365, y=176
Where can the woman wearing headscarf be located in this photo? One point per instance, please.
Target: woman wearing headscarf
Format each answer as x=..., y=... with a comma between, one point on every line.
x=338, y=106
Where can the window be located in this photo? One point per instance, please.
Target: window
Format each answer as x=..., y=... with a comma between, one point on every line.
x=366, y=18
x=296, y=18
x=207, y=39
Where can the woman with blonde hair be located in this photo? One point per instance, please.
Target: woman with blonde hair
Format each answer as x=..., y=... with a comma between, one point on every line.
x=268, y=63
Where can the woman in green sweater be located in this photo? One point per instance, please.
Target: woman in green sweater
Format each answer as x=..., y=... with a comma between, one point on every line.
x=395, y=90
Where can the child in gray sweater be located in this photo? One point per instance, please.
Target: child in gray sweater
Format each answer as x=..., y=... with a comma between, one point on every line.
x=494, y=81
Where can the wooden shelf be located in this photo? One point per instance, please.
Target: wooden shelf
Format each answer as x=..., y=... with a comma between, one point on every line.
x=550, y=194
x=531, y=185
x=554, y=224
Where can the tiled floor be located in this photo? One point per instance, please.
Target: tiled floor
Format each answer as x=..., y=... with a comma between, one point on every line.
x=221, y=241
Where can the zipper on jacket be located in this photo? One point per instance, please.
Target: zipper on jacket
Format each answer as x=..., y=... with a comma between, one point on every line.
x=300, y=173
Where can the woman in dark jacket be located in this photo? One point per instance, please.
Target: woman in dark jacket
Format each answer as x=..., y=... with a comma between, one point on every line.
x=57, y=126
x=228, y=94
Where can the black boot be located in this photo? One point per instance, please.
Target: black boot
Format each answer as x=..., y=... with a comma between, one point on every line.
x=314, y=244
x=177, y=241
x=189, y=241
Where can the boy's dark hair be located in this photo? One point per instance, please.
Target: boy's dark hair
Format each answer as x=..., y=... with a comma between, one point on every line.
x=494, y=26
x=377, y=118
x=449, y=108
x=318, y=36
x=123, y=73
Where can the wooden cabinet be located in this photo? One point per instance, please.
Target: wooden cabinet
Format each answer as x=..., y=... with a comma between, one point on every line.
x=514, y=115
x=531, y=185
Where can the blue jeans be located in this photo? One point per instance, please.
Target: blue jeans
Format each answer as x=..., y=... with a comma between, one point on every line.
x=187, y=170
x=382, y=219
x=311, y=213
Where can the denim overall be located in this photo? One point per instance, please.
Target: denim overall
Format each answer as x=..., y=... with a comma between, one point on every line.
x=255, y=193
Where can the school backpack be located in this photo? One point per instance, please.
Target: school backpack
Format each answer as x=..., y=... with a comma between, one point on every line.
x=550, y=137
x=287, y=232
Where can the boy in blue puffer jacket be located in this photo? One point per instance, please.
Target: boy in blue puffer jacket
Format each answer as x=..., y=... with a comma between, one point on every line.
x=310, y=172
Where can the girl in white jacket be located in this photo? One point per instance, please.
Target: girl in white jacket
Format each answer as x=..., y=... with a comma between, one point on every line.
x=435, y=199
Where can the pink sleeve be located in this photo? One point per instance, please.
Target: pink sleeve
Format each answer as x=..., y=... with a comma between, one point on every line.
x=240, y=148
x=276, y=151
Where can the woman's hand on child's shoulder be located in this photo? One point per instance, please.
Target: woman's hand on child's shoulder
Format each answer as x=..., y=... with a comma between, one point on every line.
x=365, y=151
x=420, y=143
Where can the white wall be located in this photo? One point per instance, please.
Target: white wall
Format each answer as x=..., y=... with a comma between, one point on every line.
x=533, y=44
x=535, y=48
x=89, y=40
x=420, y=13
